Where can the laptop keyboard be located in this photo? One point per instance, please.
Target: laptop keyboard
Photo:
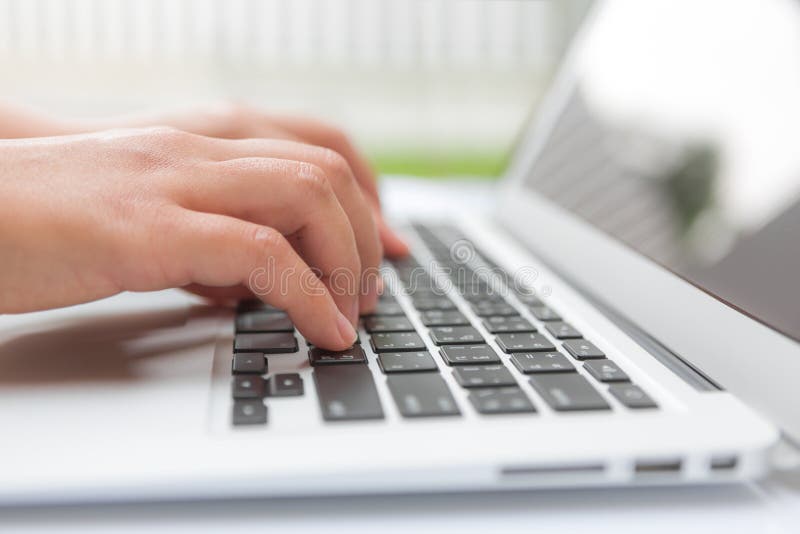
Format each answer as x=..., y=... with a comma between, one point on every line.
x=546, y=350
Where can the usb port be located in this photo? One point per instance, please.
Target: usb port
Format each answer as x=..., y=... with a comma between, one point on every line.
x=723, y=463
x=647, y=467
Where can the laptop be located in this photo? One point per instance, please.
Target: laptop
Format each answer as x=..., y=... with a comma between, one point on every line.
x=604, y=325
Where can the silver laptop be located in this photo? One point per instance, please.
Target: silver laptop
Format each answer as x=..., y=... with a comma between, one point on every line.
x=609, y=324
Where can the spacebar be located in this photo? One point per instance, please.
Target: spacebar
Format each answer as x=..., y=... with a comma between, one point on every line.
x=347, y=392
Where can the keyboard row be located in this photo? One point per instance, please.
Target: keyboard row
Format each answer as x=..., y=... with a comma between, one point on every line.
x=346, y=388
x=474, y=277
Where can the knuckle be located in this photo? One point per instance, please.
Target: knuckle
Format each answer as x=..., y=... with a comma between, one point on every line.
x=336, y=165
x=265, y=241
x=335, y=136
x=314, y=181
x=163, y=134
x=338, y=138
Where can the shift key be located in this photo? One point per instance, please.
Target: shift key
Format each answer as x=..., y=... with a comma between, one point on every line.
x=347, y=392
x=568, y=392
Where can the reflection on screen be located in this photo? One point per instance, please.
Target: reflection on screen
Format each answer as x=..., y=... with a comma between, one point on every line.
x=674, y=150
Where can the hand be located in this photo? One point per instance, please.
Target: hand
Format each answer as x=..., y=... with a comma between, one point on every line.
x=87, y=216
x=233, y=121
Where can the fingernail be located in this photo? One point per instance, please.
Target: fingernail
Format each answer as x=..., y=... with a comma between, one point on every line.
x=346, y=331
x=354, y=312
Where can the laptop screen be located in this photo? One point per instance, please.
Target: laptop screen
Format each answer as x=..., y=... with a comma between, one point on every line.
x=681, y=138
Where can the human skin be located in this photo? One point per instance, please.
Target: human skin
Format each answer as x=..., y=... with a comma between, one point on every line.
x=89, y=215
x=227, y=120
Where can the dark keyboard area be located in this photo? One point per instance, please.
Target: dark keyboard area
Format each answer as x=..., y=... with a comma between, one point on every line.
x=535, y=346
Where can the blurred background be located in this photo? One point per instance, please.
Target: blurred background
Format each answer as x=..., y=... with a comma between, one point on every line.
x=432, y=87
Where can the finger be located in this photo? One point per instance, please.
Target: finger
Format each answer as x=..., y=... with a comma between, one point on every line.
x=220, y=251
x=224, y=121
x=221, y=294
x=393, y=245
x=319, y=133
x=295, y=198
x=347, y=190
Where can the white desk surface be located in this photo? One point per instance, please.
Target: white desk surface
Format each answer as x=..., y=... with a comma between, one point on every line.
x=768, y=506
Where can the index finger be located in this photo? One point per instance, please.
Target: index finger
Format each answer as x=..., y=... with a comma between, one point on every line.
x=221, y=251
x=318, y=133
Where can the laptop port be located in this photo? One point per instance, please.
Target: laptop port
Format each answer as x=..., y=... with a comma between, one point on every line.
x=657, y=467
x=723, y=463
x=536, y=470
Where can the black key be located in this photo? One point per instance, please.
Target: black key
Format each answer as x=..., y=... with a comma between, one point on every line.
x=606, y=371
x=543, y=313
x=422, y=395
x=424, y=287
x=406, y=362
x=525, y=342
x=455, y=335
x=250, y=305
x=268, y=343
x=542, y=362
x=386, y=307
x=437, y=303
x=500, y=400
x=418, y=281
x=529, y=300
x=482, y=376
x=489, y=308
x=248, y=387
x=356, y=342
x=347, y=392
x=285, y=385
x=499, y=325
x=469, y=354
x=396, y=342
x=583, y=350
x=443, y=318
x=249, y=363
x=566, y=392
x=354, y=354
x=563, y=330
x=474, y=289
x=475, y=298
x=386, y=297
x=388, y=323
x=264, y=321
x=632, y=396
x=249, y=412
x=407, y=262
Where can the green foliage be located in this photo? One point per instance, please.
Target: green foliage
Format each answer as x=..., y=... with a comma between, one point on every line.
x=440, y=163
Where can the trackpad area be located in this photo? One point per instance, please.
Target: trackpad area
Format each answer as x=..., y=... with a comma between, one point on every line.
x=131, y=361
